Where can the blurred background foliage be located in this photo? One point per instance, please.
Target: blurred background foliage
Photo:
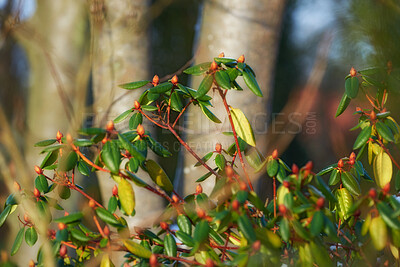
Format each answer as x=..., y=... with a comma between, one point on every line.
x=359, y=33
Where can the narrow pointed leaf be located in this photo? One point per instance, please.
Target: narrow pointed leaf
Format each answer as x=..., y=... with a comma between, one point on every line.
x=344, y=103
x=71, y=218
x=351, y=86
x=317, y=223
x=176, y=102
x=45, y=143
x=137, y=249
x=158, y=175
x=135, y=120
x=246, y=227
x=363, y=137
x=157, y=147
x=242, y=126
x=205, y=86
x=134, y=85
x=251, y=82
x=17, y=242
x=126, y=196
x=185, y=238
x=222, y=79
x=106, y=216
x=387, y=216
x=204, y=159
x=130, y=147
x=334, y=178
x=384, y=131
x=4, y=214
x=382, y=169
x=205, y=176
x=284, y=229
x=135, y=179
x=350, y=183
x=161, y=88
x=209, y=114
x=123, y=116
x=184, y=224
x=198, y=69
x=170, y=245
x=220, y=161
x=325, y=189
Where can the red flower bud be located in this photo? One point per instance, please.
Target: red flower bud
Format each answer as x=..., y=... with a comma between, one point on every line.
x=320, y=202
x=38, y=170
x=175, y=198
x=106, y=230
x=222, y=54
x=137, y=105
x=140, y=130
x=110, y=126
x=214, y=66
x=26, y=218
x=174, y=80
x=352, y=162
x=164, y=226
x=61, y=226
x=282, y=209
x=309, y=165
x=372, y=193
x=372, y=115
x=386, y=189
x=66, y=213
x=352, y=155
x=36, y=192
x=286, y=184
x=156, y=80
x=340, y=163
x=218, y=147
x=353, y=72
x=235, y=205
x=115, y=190
x=209, y=263
x=275, y=154
x=229, y=171
x=241, y=59
x=59, y=135
x=153, y=261
x=201, y=213
x=63, y=251
x=295, y=169
x=256, y=245
x=92, y=204
x=199, y=189
x=243, y=186
x=358, y=109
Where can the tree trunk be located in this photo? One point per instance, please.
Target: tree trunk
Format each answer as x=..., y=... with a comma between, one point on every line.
x=120, y=55
x=234, y=27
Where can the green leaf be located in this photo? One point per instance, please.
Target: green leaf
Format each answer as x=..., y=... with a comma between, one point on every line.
x=17, y=242
x=272, y=167
x=68, y=161
x=83, y=168
x=184, y=224
x=161, y=88
x=345, y=201
x=386, y=214
x=350, y=183
x=4, y=214
x=106, y=216
x=325, y=189
x=300, y=230
x=363, y=137
x=134, y=85
x=220, y=161
x=49, y=159
x=251, y=82
x=224, y=60
x=384, y=131
x=246, y=227
x=209, y=114
x=185, y=238
x=63, y=191
x=351, y=86
x=123, y=116
x=254, y=157
x=31, y=236
x=378, y=233
x=158, y=175
x=157, y=147
x=242, y=126
x=317, y=223
x=135, y=120
x=45, y=143
x=198, y=69
x=205, y=176
x=149, y=108
x=382, y=169
x=126, y=196
x=201, y=232
x=41, y=183
x=139, y=182
x=222, y=79
x=130, y=148
x=204, y=159
x=170, y=245
x=133, y=165
x=79, y=235
x=91, y=131
x=205, y=86
x=397, y=182
x=111, y=156
x=176, y=102
x=137, y=249
x=71, y=218
x=344, y=103
x=112, y=204
x=334, y=178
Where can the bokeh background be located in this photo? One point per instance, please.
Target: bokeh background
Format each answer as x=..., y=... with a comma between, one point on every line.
x=61, y=62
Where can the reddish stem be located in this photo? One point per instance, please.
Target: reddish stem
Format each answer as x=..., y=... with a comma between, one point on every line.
x=235, y=136
x=153, y=121
x=274, y=179
x=183, y=110
x=178, y=259
x=98, y=226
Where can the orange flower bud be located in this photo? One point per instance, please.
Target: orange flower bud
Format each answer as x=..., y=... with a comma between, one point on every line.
x=222, y=54
x=209, y=263
x=243, y=186
x=175, y=199
x=275, y=154
x=36, y=192
x=352, y=155
x=137, y=105
x=26, y=218
x=282, y=209
x=320, y=202
x=106, y=230
x=218, y=147
x=105, y=139
x=286, y=184
x=372, y=115
x=201, y=213
x=340, y=163
x=353, y=72
x=140, y=130
x=153, y=261
x=17, y=187
x=164, y=226
x=156, y=80
x=115, y=190
x=372, y=193
x=66, y=213
x=241, y=59
x=386, y=189
x=38, y=170
x=235, y=205
x=295, y=169
x=214, y=66
x=229, y=171
x=174, y=80
x=256, y=245
x=61, y=226
x=59, y=135
x=358, y=109
x=309, y=165
x=31, y=263
x=110, y=126
x=92, y=204
x=199, y=189
x=69, y=138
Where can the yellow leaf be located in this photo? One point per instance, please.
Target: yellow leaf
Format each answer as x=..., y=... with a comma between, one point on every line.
x=106, y=262
x=345, y=201
x=242, y=126
x=378, y=233
x=137, y=249
x=383, y=169
x=281, y=193
x=126, y=196
x=158, y=176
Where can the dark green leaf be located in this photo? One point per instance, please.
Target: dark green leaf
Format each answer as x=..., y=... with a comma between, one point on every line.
x=91, y=131
x=123, y=116
x=79, y=235
x=4, y=214
x=52, y=148
x=112, y=204
x=363, y=137
x=220, y=161
x=130, y=148
x=201, y=232
x=351, y=86
x=205, y=86
x=161, y=88
x=106, y=216
x=135, y=120
x=386, y=213
x=317, y=223
x=325, y=189
x=350, y=183
x=157, y=147
x=170, y=245
x=83, y=168
x=209, y=114
x=136, y=180
x=176, y=102
x=133, y=165
x=63, y=191
x=134, y=85
x=31, y=236
x=205, y=176
x=68, y=161
x=184, y=224
x=149, y=108
x=224, y=60
x=198, y=69
x=50, y=158
x=41, y=183
x=344, y=103
x=251, y=82
x=62, y=235
x=396, y=179
x=384, y=131
x=45, y=143
x=300, y=230
x=17, y=242
x=233, y=73
x=111, y=156
x=246, y=227
x=334, y=178
x=272, y=167
x=185, y=238
x=204, y=159
x=223, y=80
x=71, y=218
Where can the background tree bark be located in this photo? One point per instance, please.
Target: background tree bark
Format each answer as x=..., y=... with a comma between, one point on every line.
x=234, y=27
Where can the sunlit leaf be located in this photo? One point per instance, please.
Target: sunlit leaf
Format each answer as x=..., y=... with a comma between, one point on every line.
x=242, y=126
x=134, y=85
x=126, y=196
x=382, y=169
x=158, y=175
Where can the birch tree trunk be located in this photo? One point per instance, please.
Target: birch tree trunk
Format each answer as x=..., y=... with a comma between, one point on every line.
x=235, y=27
x=121, y=54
